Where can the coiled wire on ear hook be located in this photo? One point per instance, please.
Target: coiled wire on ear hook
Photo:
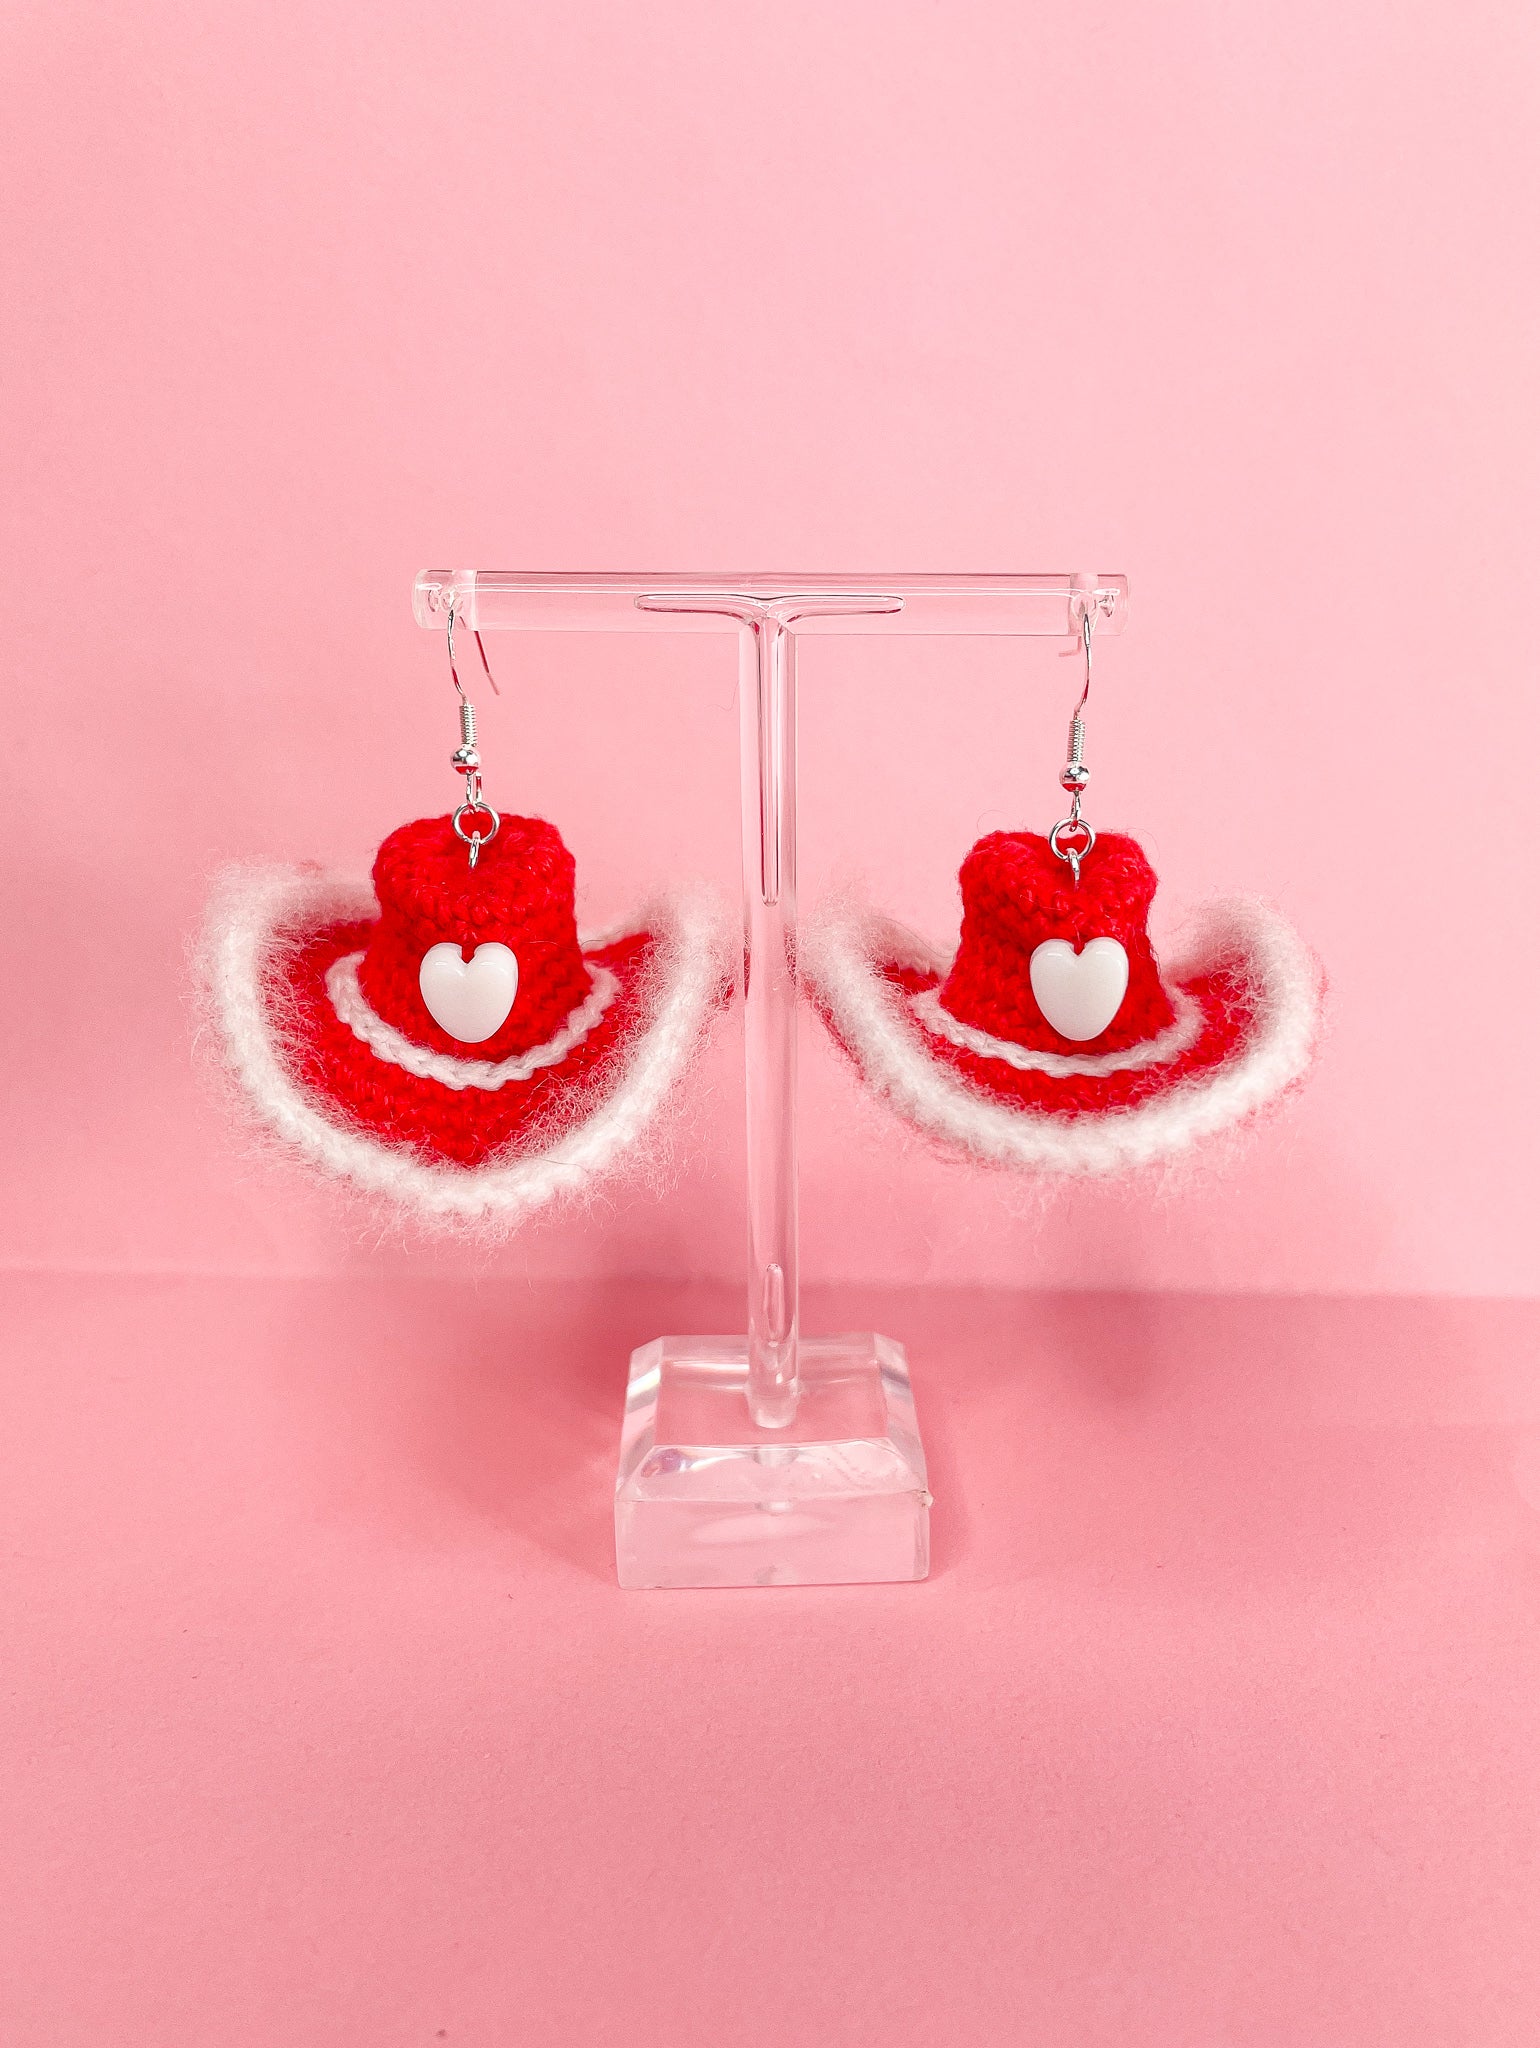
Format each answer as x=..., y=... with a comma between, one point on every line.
x=466, y=757
x=1074, y=775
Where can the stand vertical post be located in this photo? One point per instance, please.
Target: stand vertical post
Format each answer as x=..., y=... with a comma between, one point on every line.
x=767, y=709
x=771, y=1458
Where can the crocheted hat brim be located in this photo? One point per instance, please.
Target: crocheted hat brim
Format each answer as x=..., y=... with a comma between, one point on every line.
x=449, y=1137
x=1247, y=1001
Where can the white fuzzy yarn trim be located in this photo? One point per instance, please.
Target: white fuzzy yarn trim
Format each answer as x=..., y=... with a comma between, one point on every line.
x=450, y=1069
x=257, y=910
x=841, y=950
x=1158, y=1051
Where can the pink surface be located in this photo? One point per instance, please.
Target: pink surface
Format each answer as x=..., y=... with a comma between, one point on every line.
x=1231, y=299
x=324, y=1722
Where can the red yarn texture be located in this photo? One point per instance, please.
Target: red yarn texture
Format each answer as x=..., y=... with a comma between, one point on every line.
x=1017, y=894
x=519, y=894
x=467, y=1125
x=1224, y=994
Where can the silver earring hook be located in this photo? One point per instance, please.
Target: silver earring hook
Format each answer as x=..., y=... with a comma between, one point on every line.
x=486, y=666
x=1087, y=626
x=1072, y=838
x=466, y=758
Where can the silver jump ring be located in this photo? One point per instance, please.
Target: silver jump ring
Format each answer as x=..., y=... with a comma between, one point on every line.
x=476, y=840
x=1080, y=852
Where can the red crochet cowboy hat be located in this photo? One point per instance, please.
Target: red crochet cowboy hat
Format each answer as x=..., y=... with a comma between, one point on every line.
x=455, y=1045
x=1052, y=1041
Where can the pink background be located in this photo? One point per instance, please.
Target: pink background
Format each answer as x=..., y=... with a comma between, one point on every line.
x=1232, y=299
x=1218, y=1721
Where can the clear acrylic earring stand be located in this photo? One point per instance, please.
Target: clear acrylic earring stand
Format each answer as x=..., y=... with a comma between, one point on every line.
x=770, y=1458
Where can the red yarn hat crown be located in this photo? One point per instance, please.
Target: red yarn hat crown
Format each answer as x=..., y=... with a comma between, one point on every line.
x=519, y=894
x=1016, y=894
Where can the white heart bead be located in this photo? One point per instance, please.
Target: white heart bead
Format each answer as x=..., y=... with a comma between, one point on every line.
x=1079, y=993
x=470, y=999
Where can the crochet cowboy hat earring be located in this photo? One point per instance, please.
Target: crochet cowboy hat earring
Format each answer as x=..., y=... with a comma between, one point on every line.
x=447, y=1040
x=1053, y=1040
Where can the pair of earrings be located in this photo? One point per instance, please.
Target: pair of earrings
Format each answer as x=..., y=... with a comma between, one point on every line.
x=449, y=1040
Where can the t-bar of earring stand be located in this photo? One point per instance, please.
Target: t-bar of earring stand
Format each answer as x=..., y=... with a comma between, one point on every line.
x=772, y=1458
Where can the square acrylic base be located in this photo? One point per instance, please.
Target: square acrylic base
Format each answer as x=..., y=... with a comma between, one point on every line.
x=706, y=1497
